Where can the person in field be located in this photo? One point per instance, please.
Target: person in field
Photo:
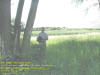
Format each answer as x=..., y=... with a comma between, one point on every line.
x=41, y=38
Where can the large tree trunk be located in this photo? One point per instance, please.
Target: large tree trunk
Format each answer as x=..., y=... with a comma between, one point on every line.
x=5, y=21
x=17, y=27
x=29, y=26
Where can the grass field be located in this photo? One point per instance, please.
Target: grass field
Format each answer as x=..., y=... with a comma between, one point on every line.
x=75, y=55
x=65, y=31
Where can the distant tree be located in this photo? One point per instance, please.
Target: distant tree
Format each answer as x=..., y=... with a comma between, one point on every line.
x=77, y=2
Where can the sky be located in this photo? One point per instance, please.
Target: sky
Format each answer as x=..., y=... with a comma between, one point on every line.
x=62, y=13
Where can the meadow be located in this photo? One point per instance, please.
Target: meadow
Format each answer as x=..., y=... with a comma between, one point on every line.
x=74, y=55
x=64, y=31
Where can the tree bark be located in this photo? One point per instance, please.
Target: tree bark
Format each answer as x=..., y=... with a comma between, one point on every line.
x=5, y=22
x=17, y=27
x=29, y=26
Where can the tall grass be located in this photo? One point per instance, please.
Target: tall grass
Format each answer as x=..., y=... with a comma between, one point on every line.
x=78, y=55
x=75, y=55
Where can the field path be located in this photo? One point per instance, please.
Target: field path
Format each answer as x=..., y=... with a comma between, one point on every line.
x=56, y=36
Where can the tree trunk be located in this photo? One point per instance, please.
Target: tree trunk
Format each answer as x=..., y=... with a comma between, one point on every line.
x=29, y=26
x=17, y=27
x=5, y=22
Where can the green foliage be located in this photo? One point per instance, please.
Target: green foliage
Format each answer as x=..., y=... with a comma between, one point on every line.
x=75, y=55
x=77, y=2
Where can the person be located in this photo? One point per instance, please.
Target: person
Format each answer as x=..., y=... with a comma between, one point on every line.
x=41, y=38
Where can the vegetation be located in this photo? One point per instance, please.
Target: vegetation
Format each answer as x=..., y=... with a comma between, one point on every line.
x=75, y=55
x=12, y=34
x=76, y=2
x=65, y=31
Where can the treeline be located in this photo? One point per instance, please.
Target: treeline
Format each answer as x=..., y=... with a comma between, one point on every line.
x=60, y=28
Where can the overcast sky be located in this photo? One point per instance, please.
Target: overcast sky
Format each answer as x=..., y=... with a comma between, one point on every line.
x=62, y=13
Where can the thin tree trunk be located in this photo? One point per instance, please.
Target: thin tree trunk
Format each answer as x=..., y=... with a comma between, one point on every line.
x=17, y=27
x=29, y=26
